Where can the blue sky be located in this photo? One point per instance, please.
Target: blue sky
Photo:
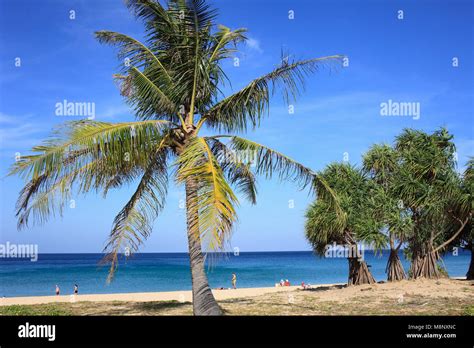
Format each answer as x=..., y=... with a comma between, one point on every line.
x=408, y=60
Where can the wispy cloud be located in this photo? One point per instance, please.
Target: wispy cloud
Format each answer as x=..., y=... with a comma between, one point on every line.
x=254, y=45
x=115, y=112
x=6, y=120
x=18, y=133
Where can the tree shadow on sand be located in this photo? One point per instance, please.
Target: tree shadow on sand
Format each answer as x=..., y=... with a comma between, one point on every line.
x=159, y=306
x=326, y=288
x=145, y=308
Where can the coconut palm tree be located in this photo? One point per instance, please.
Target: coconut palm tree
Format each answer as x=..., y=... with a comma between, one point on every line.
x=381, y=164
x=429, y=188
x=173, y=81
x=353, y=224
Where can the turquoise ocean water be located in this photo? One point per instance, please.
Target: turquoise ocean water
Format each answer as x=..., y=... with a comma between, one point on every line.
x=150, y=272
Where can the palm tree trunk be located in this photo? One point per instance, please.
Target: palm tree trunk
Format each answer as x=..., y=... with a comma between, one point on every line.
x=204, y=302
x=426, y=264
x=359, y=272
x=416, y=259
x=428, y=267
x=470, y=272
x=394, y=269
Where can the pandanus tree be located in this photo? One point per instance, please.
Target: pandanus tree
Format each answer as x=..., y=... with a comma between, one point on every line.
x=468, y=233
x=465, y=239
x=353, y=224
x=381, y=164
x=429, y=188
x=172, y=81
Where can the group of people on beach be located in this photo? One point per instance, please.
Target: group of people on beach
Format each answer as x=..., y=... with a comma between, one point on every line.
x=285, y=282
x=76, y=289
x=282, y=282
x=234, y=285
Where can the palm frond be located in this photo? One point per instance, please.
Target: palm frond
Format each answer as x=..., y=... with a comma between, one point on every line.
x=215, y=199
x=154, y=15
x=46, y=195
x=250, y=103
x=76, y=143
x=268, y=162
x=134, y=222
x=236, y=168
x=352, y=218
x=222, y=39
x=320, y=229
x=139, y=54
x=148, y=98
x=87, y=155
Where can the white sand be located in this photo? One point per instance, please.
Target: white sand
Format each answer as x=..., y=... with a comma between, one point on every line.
x=182, y=296
x=428, y=288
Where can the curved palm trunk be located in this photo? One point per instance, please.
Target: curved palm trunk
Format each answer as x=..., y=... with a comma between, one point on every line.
x=204, y=302
x=394, y=269
x=470, y=272
x=359, y=272
x=426, y=256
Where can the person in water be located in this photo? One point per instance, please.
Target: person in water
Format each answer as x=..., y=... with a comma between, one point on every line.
x=76, y=289
x=234, y=281
x=57, y=290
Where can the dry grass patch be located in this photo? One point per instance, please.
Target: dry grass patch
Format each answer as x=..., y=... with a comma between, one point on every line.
x=421, y=297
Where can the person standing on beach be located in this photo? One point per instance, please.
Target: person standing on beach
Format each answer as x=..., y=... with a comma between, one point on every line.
x=234, y=281
x=57, y=290
x=76, y=289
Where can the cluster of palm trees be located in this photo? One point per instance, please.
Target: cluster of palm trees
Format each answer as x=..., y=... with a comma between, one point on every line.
x=408, y=194
x=173, y=82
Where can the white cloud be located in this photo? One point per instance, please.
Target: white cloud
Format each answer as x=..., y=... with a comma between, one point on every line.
x=18, y=133
x=115, y=112
x=9, y=119
x=254, y=45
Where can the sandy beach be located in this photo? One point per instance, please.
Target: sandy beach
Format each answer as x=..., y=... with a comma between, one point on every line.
x=181, y=296
x=408, y=297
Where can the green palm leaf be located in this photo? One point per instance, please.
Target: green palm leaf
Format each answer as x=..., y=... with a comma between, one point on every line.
x=77, y=143
x=250, y=103
x=238, y=169
x=133, y=224
x=216, y=200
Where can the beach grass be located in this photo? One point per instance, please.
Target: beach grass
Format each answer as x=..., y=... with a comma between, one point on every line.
x=427, y=297
x=262, y=305
x=48, y=309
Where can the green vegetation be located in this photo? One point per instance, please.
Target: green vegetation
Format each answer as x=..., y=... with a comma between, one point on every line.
x=173, y=83
x=355, y=199
x=44, y=309
x=469, y=310
x=410, y=193
x=466, y=237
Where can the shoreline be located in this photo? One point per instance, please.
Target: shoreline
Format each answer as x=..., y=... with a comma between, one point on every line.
x=179, y=295
x=407, y=297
